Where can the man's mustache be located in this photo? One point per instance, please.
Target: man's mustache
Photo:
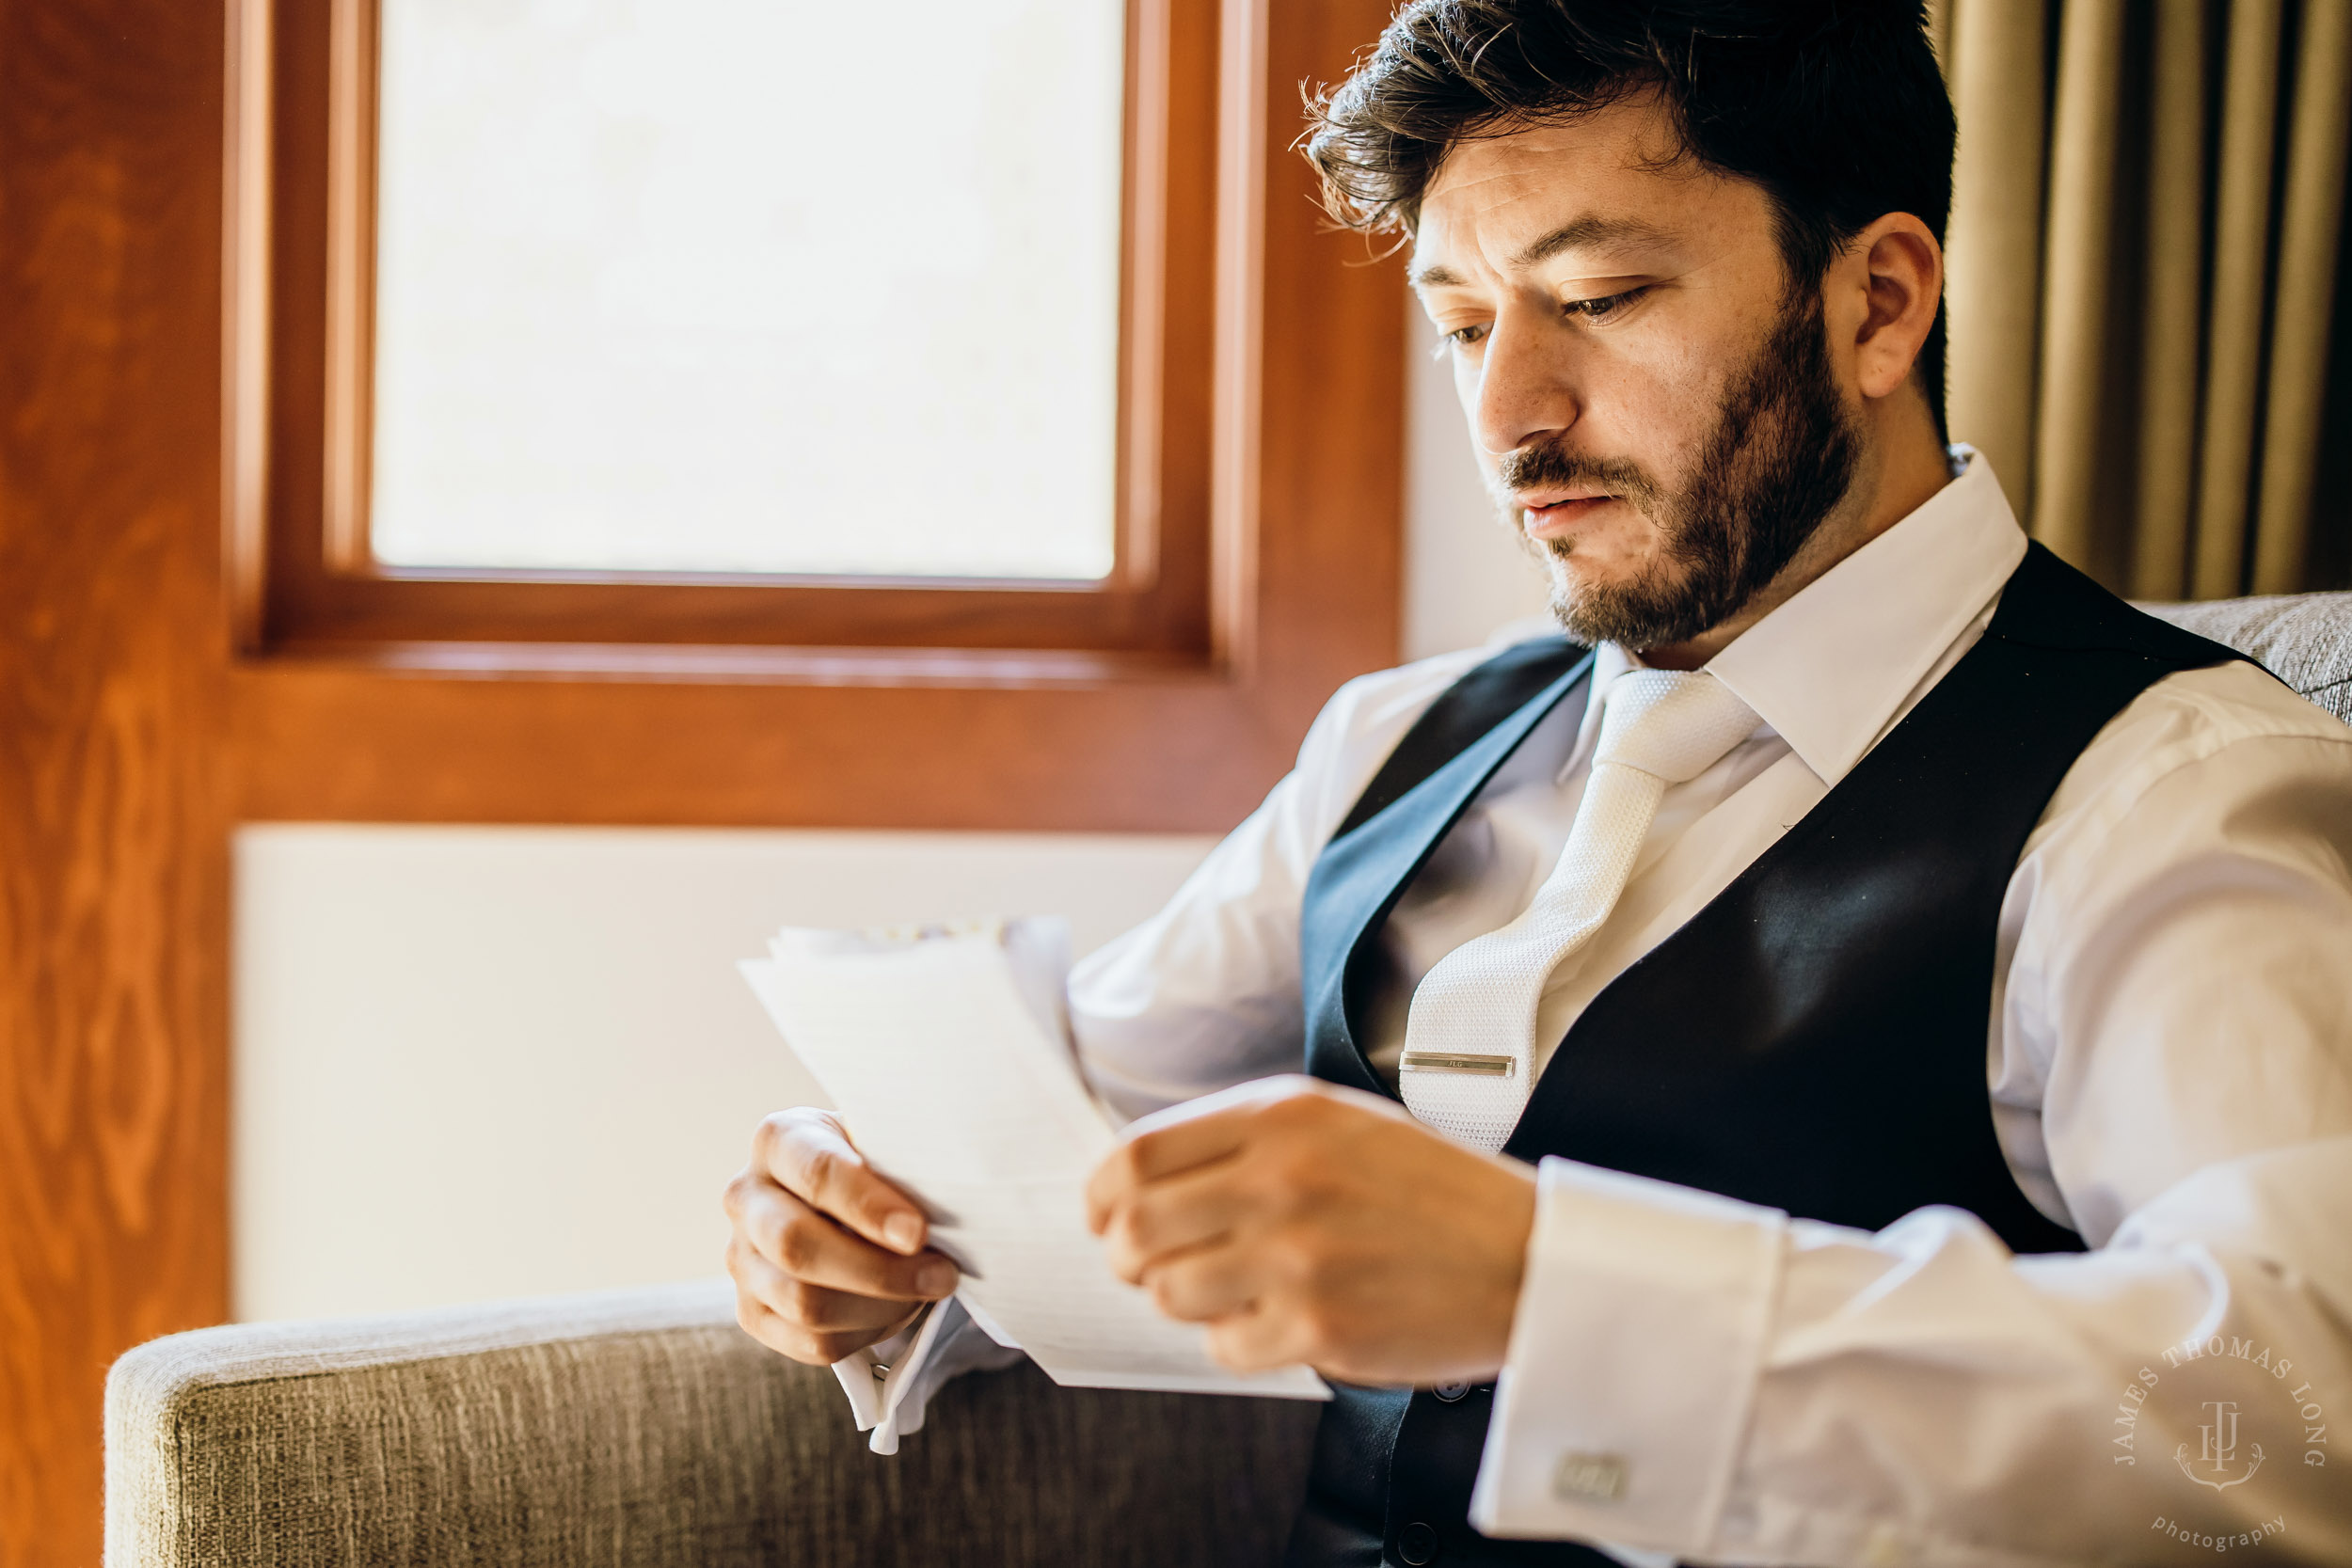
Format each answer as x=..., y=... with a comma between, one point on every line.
x=1547, y=465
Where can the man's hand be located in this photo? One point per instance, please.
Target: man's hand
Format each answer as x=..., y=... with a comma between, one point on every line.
x=1306, y=1222
x=827, y=1257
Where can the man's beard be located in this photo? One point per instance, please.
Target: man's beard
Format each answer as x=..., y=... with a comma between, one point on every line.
x=1781, y=457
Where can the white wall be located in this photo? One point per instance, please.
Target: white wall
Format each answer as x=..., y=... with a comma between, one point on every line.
x=1464, y=574
x=478, y=1062
x=484, y=1062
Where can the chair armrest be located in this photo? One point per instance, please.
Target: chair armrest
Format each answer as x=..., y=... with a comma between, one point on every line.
x=643, y=1428
x=2303, y=638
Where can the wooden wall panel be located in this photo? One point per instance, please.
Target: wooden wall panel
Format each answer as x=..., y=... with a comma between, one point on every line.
x=113, y=825
x=130, y=741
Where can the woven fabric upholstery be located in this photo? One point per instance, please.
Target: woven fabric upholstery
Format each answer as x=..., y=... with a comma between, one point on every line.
x=2303, y=638
x=642, y=1430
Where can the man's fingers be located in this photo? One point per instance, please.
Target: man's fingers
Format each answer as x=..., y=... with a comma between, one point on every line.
x=1253, y=1341
x=813, y=1307
x=1188, y=1210
x=1198, y=1133
x=1204, y=1285
x=810, y=1347
x=809, y=1245
x=810, y=1154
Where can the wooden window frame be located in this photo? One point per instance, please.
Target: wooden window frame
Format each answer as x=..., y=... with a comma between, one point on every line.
x=1260, y=479
x=306, y=580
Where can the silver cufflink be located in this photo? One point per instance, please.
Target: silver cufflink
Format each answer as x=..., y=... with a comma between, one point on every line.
x=1589, y=1477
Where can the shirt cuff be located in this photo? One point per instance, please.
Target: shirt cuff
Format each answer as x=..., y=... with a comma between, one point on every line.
x=890, y=1384
x=1633, y=1362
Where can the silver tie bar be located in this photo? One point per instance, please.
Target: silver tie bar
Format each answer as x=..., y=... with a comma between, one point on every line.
x=1454, y=1061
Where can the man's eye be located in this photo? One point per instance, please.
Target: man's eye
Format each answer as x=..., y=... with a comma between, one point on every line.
x=1463, y=337
x=1605, y=307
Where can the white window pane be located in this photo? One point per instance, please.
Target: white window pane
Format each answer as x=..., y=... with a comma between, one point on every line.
x=749, y=285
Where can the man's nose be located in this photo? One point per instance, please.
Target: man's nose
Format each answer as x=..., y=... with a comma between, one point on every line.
x=1526, y=390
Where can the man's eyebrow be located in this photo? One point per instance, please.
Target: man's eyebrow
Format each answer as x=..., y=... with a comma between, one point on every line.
x=1590, y=230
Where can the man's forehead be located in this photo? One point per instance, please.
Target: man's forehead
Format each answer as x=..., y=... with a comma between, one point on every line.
x=1603, y=182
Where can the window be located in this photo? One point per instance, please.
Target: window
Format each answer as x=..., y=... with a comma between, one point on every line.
x=523, y=370
x=681, y=286
x=638, y=617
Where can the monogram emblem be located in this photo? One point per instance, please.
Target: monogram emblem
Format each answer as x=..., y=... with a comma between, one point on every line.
x=2218, y=1450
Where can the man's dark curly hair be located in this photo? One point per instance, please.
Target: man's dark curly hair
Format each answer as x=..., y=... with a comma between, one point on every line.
x=1835, y=108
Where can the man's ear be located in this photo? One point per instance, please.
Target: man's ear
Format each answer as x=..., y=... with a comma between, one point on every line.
x=1898, y=268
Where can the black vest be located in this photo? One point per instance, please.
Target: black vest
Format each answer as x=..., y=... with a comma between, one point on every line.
x=1813, y=1040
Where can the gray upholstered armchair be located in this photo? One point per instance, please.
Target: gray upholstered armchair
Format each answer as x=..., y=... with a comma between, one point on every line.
x=639, y=1429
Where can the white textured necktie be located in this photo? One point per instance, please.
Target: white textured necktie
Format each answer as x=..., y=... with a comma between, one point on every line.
x=1470, y=1038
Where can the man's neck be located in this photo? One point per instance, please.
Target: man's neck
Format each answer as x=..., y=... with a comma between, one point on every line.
x=1906, y=472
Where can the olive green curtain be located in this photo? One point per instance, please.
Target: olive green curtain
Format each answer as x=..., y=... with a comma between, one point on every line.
x=2151, y=333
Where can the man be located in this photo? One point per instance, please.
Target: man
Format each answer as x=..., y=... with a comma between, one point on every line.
x=1780, y=998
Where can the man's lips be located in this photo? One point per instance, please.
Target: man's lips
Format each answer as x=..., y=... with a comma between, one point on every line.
x=1551, y=514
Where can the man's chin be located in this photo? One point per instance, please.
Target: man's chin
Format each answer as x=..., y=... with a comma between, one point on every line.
x=1641, y=612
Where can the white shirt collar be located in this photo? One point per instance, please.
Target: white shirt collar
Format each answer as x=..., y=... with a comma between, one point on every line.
x=1831, y=669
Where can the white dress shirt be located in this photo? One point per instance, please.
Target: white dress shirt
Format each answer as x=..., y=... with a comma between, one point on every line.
x=2168, y=1060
